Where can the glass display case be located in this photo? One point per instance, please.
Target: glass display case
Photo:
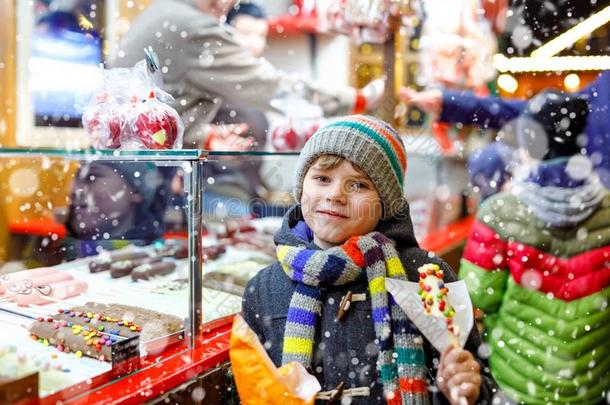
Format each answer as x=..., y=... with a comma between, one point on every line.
x=88, y=258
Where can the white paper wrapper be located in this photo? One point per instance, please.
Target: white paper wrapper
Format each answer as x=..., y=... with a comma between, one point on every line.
x=432, y=327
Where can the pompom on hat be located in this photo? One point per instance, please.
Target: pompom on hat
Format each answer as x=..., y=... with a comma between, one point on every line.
x=369, y=143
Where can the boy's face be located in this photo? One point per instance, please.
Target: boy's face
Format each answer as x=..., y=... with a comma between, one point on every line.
x=339, y=203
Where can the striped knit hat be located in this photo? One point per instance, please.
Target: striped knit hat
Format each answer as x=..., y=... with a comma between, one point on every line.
x=368, y=142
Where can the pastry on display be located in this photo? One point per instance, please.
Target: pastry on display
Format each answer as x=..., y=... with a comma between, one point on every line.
x=239, y=272
x=176, y=288
x=19, y=286
x=156, y=324
x=258, y=241
x=43, y=289
x=124, y=268
x=224, y=282
x=213, y=252
x=103, y=261
x=176, y=248
x=45, y=294
x=91, y=329
x=236, y=226
x=11, y=278
x=148, y=270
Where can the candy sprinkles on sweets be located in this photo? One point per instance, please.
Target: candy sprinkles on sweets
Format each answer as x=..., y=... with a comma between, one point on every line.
x=83, y=333
x=434, y=295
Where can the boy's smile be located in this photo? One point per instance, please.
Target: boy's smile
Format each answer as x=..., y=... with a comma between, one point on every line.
x=338, y=203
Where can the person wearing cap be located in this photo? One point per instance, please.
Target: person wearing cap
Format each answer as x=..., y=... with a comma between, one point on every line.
x=494, y=112
x=349, y=221
x=203, y=65
x=536, y=263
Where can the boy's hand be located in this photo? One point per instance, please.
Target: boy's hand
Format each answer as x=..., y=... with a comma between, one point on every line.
x=459, y=376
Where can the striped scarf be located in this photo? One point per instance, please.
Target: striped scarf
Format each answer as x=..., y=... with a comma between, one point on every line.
x=401, y=362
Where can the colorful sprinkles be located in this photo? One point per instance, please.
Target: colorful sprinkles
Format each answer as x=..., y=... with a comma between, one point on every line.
x=433, y=292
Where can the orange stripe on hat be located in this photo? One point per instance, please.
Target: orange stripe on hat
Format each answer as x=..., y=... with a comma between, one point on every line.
x=398, y=148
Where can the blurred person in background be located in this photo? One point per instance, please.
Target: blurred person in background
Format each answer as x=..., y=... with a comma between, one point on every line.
x=536, y=263
x=204, y=64
x=250, y=30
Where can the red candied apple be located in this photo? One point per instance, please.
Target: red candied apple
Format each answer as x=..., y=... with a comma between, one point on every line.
x=285, y=138
x=156, y=124
x=104, y=123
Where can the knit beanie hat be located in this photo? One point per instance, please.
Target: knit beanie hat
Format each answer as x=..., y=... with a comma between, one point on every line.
x=550, y=124
x=369, y=143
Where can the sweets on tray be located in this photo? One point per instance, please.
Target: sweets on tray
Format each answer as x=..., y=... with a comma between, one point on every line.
x=155, y=324
x=11, y=278
x=85, y=330
x=125, y=267
x=44, y=289
x=213, y=252
x=103, y=261
x=223, y=282
x=45, y=294
x=148, y=270
x=27, y=284
x=258, y=241
x=176, y=248
x=434, y=295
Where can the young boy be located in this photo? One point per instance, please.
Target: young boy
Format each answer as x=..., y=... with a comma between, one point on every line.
x=337, y=245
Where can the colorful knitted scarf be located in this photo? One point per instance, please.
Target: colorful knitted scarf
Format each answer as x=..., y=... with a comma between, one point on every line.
x=401, y=362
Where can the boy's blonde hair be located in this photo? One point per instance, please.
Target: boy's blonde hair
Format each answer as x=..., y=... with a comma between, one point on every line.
x=326, y=162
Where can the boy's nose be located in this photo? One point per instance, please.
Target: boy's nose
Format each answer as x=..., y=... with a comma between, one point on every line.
x=337, y=193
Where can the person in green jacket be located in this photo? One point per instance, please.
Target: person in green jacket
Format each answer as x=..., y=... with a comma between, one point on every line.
x=537, y=264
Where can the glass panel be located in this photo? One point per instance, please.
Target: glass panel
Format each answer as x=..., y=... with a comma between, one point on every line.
x=95, y=251
x=435, y=186
x=244, y=199
x=106, y=154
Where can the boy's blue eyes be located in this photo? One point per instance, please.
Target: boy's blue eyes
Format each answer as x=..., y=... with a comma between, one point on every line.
x=355, y=185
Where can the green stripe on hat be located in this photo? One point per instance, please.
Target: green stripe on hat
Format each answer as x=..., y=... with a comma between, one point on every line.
x=379, y=139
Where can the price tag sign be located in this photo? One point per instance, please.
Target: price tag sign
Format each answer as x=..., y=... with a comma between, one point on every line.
x=126, y=356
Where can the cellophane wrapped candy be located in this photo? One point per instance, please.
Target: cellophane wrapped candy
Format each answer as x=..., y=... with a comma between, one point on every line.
x=130, y=111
